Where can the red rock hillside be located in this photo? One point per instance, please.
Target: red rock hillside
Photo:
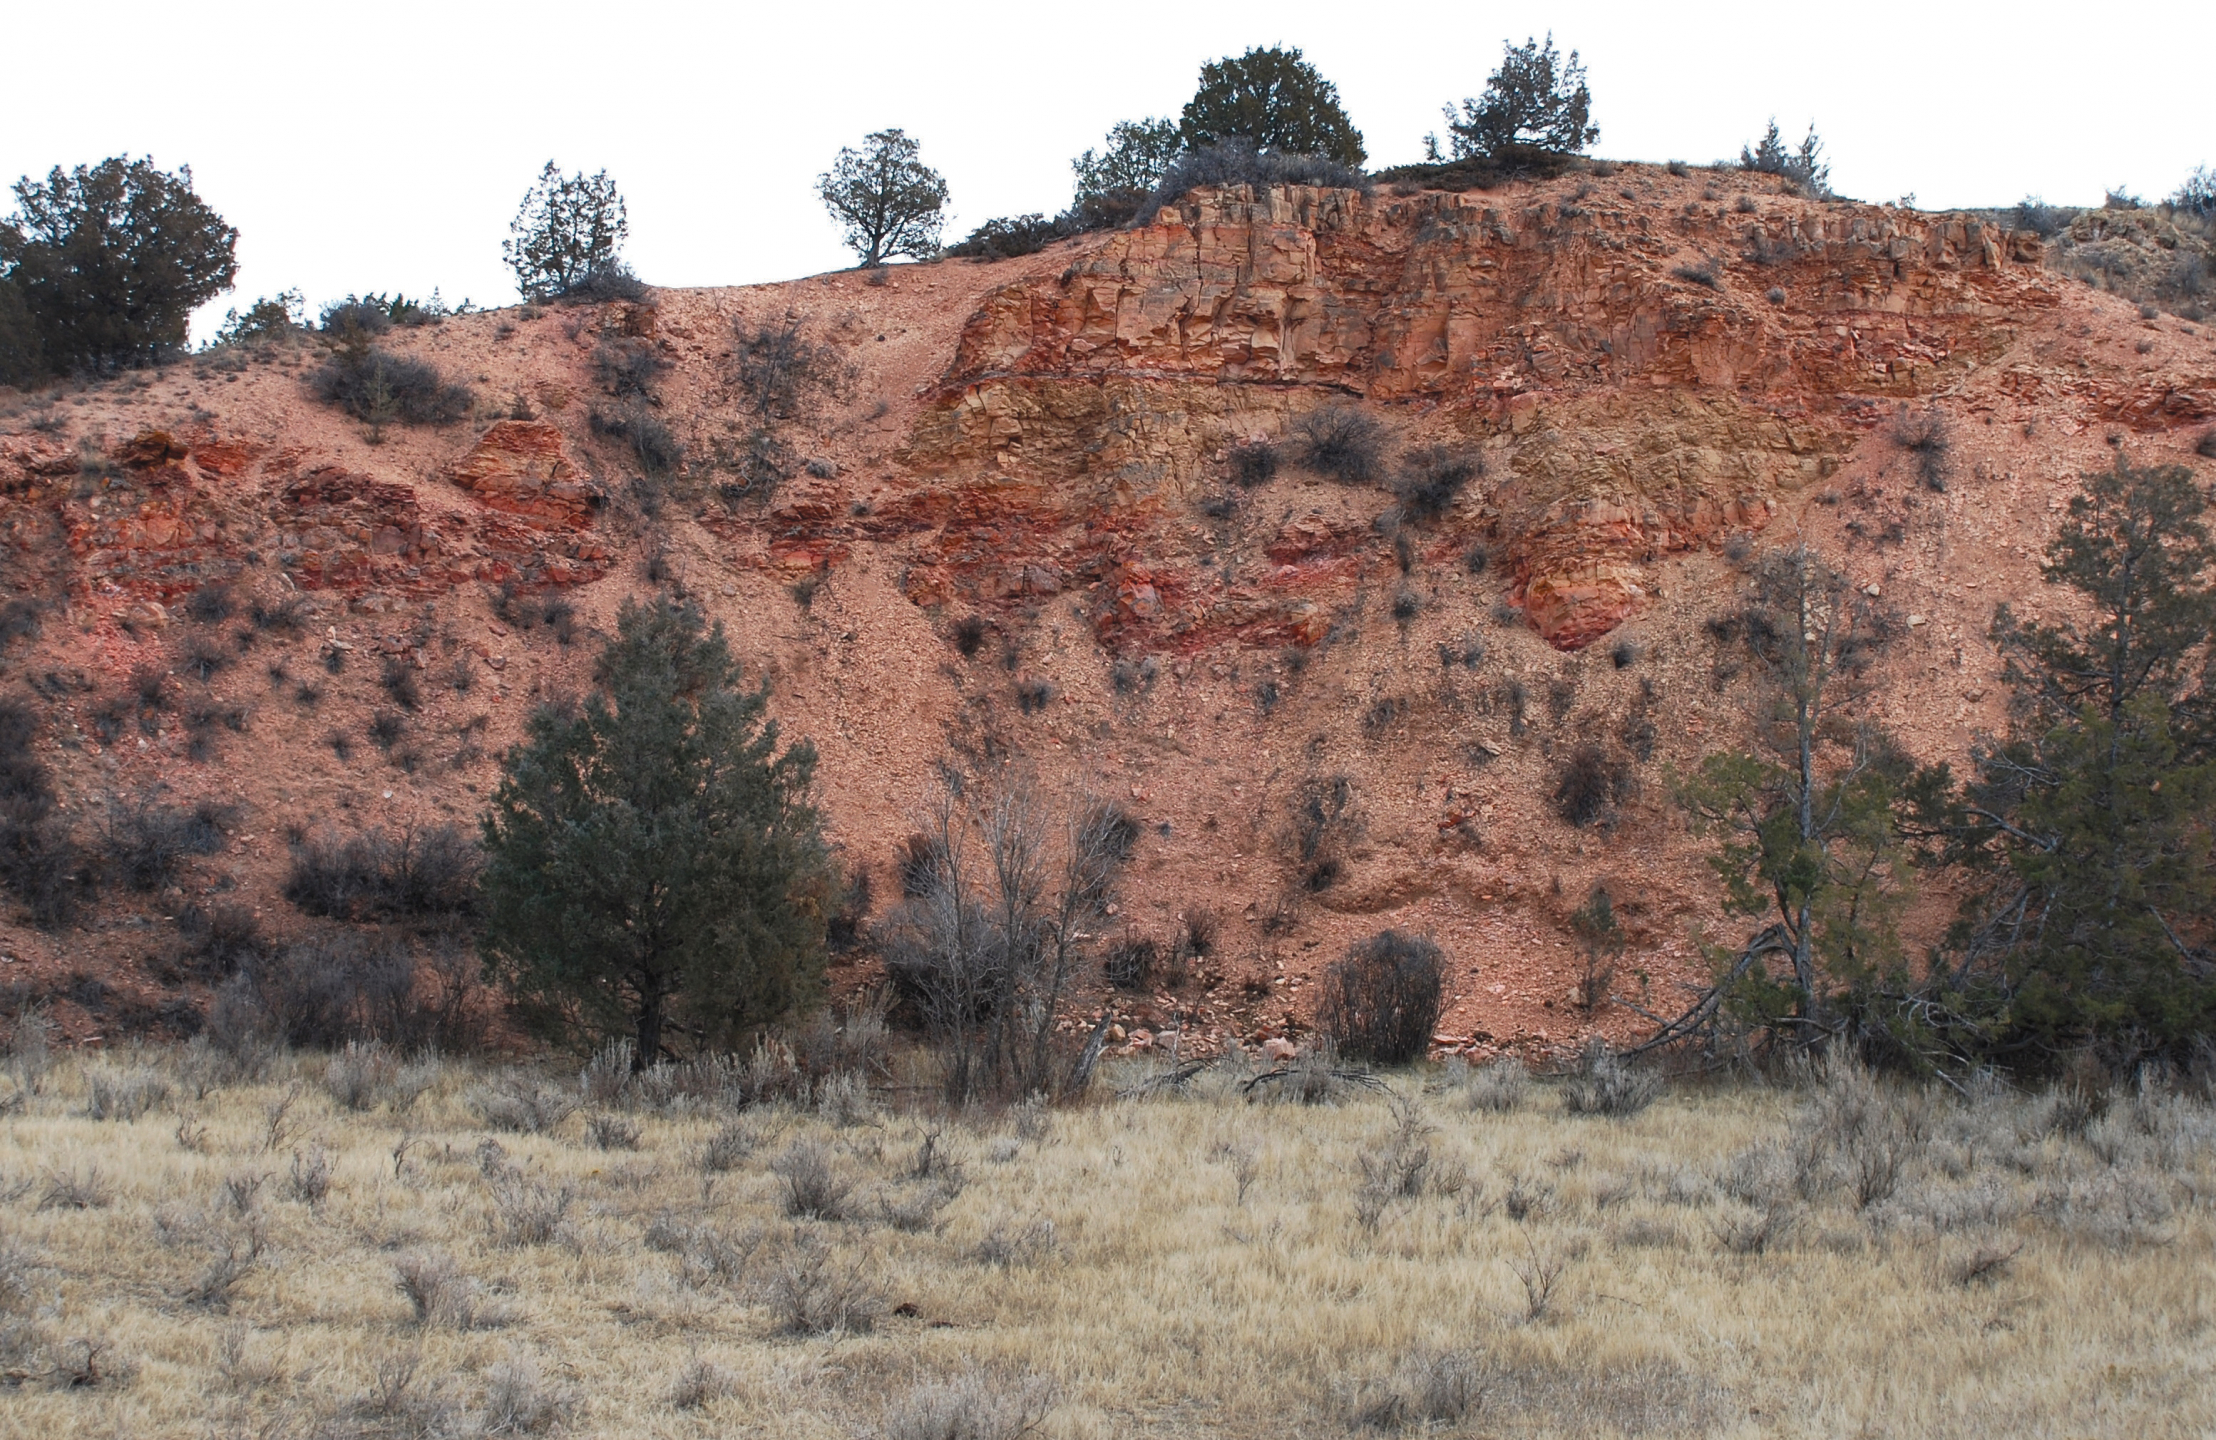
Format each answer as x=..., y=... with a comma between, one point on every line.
x=1652, y=376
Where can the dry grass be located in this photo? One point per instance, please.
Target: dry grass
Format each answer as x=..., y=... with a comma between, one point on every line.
x=1460, y=1256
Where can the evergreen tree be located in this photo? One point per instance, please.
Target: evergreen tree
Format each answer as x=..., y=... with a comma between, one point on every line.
x=569, y=228
x=2089, y=825
x=655, y=868
x=109, y=261
x=1137, y=153
x=888, y=200
x=1535, y=98
x=1275, y=100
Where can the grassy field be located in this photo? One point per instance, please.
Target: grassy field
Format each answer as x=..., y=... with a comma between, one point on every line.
x=309, y=1245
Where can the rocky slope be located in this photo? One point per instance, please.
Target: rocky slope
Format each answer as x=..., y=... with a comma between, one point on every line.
x=1658, y=374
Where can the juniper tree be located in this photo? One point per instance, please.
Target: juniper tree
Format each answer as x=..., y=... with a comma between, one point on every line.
x=1535, y=98
x=2092, y=919
x=1809, y=819
x=1275, y=100
x=569, y=228
x=888, y=201
x=654, y=865
x=109, y=262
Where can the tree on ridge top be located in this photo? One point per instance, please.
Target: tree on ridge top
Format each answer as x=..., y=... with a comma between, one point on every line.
x=1275, y=99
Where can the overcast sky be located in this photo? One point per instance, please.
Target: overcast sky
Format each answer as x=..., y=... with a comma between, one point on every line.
x=387, y=147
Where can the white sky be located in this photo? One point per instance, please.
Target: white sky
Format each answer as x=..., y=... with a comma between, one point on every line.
x=387, y=146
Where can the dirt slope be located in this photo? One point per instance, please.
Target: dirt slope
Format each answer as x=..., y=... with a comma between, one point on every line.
x=1660, y=373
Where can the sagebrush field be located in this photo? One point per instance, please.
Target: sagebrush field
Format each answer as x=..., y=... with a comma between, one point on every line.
x=366, y=1245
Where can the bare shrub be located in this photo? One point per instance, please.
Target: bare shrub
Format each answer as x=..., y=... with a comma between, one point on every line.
x=811, y=1291
x=700, y=1384
x=1499, y=1086
x=1753, y=1230
x=1432, y=477
x=1340, y=442
x=1427, y=1388
x=1926, y=435
x=1606, y=1084
x=611, y=1132
x=436, y=1289
x=1591, y=784
x=1540, y=1274
x=520, y=1400
x=917, y=1208
x=116, y=1094
x=233, y=1252
x=975, y=1406
x=1006, y=1244
x=813, y=1188
x=1253, y=463
x=1381, y=1002
x=522, y=1104
x=416, y=874
x=85, y=1189
x=310, y=1179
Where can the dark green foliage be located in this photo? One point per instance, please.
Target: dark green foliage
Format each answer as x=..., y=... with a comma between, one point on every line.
x=568, y=229
x=416, y=875
x=380, y=388
x=22, y=355
x=1340, y=442
x=885, y=198
x=655, y=867
x=1274, y=100
x=1009, y=237
x=2089, y=827
x=1536, y=99
x=1381, y=1002
x=1804, y=167
x=111, y=260
x=1113, y=182
x=271, y=318
x=1811, y=818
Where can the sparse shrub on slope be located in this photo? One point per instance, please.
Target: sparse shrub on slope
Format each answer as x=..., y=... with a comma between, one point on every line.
x=380, y=388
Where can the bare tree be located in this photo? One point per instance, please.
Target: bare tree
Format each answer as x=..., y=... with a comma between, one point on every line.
x=996, y=921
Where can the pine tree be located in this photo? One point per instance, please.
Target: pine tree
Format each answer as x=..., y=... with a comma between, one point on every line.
x=654, y=866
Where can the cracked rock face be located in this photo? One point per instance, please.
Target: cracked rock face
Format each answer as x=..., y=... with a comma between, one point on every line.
x=1645, y=380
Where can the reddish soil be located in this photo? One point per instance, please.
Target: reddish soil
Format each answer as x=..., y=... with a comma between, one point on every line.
x=1649, y=365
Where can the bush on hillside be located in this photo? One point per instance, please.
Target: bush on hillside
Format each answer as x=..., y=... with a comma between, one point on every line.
x=379, y=388
x=568, y=229
x=1235, y=161
x=1340, y=442
x=1381, y=1002
x=1535, y=99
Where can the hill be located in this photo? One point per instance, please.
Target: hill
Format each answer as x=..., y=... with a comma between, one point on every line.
x=1008, y=539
